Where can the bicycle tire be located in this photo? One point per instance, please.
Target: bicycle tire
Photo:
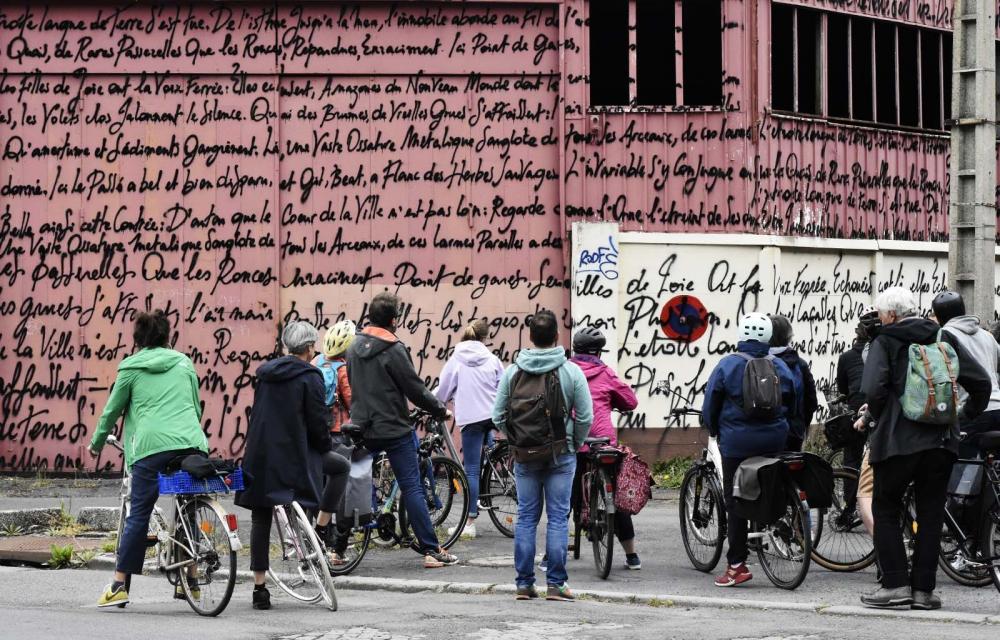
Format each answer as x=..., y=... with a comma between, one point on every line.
x=122, y=515
x=602, y=524
x=700, y=480
x=363, y=541
x=792, y=527
x=967, y=577
x=300, y=551
x=215, y=552
x=838, y=549
x=317, y=558
x=449, y=477
x=989, y=542
x=501, y=489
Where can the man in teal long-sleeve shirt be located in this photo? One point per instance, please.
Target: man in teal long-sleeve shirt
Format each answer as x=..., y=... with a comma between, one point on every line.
x=551, y=478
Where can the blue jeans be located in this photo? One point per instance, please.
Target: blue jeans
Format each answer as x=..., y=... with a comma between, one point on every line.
x=552, y=483
x=474, y=436
x=405, y=465
x=145, y=491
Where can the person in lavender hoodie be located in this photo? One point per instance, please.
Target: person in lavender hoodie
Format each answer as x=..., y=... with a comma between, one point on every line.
x=470, y=379
x=608, y=392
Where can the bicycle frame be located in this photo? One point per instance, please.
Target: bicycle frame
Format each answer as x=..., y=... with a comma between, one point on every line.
x=991, y=481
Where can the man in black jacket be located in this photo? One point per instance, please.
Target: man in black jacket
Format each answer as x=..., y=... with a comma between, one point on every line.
x=382, y=379
x=903, y=451
x=801, y=414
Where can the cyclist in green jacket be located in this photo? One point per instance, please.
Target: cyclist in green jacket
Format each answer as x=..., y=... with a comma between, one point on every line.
x=157, y=390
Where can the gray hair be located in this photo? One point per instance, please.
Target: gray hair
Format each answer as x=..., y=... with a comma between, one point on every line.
x=299, y=336
x=898, y=300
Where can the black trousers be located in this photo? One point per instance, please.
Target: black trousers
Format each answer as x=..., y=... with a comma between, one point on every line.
x=853, y=455
x=336, y=468
x=624, y=529
x=737, y=527
x=929, y=472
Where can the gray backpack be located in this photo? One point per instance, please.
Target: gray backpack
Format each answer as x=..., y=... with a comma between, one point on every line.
x=761, y=388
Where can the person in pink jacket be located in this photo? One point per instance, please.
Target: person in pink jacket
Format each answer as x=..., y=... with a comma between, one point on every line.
x=609, y=393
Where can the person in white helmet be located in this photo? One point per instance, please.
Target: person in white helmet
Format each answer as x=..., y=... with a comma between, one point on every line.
x=740, y=434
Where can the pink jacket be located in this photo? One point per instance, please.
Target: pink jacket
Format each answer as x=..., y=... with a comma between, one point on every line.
x=608, y=392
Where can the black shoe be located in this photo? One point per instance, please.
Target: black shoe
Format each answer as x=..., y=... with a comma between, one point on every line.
x=261, y=598
x=925, y=601
x=886, y=598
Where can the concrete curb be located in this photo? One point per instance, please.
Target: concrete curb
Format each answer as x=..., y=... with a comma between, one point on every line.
x=98, y=518
x=398, y=585
x=27, y=519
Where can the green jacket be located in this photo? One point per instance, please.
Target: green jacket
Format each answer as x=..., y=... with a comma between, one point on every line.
x=157, y=389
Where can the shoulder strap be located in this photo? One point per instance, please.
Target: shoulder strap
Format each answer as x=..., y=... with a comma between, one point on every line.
x=745, y=356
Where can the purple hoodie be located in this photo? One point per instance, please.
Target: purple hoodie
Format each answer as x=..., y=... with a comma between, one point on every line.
x=608, y=392
x=470, y=378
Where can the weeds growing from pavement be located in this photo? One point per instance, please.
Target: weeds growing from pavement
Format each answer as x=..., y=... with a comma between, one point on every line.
x=670, y=472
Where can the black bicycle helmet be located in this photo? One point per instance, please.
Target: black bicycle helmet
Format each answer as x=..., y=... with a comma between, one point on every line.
x=870, y=323
x=589, y=340
x=948, y=305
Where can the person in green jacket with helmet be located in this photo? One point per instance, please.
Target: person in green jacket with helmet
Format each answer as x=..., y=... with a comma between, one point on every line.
x=157, y=390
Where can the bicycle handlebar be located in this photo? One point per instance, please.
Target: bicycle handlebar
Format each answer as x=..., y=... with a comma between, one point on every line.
x=115, y=442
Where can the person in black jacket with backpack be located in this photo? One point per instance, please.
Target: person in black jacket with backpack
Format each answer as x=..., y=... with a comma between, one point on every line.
x=800, y=416
x=905, y=451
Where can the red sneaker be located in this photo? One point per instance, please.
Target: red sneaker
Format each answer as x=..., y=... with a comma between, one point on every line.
x=734, y=576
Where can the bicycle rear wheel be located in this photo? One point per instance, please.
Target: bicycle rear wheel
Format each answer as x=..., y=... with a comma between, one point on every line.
x=602, y=523
x=702, y=517
x=784, y=547
x=208, y=582
x=447, y=491
x=844, y=544
x=956, y=562
x=499, y=489
x=297, y=562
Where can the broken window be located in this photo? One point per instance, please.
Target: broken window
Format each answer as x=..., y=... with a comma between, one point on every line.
x=653, y=53
x=843, y=66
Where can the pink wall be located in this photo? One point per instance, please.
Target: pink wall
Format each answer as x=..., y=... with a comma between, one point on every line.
x=245, y=164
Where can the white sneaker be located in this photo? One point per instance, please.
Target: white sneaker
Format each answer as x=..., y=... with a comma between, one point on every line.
x=468, y=532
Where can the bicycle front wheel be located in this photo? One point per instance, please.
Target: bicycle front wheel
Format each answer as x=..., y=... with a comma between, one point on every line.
x=498, y=491
x=203, y=535
x=353, y=548
x=844, y=544
x=446, y=489
x=602, y=524
x=989, y=542
x=784, y=547
x=703, y=518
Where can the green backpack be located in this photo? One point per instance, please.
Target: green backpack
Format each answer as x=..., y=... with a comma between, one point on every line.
x=930, y=394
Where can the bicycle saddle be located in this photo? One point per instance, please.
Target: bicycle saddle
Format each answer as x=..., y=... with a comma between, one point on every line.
x=592, y=441
x=989, y=441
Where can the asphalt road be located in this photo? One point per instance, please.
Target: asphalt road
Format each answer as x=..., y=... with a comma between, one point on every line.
x=36, y=604
x=665, y=567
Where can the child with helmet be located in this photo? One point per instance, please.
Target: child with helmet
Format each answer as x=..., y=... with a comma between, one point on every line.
x=740, y=435
x=333, y=365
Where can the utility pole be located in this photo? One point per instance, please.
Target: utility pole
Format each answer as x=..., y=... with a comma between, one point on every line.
x=972, y=210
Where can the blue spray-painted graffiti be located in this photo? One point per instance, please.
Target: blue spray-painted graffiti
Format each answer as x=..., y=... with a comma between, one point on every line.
x=602, y=260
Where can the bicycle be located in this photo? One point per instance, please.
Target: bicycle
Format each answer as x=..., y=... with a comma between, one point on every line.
x=787, y=542
x=970, y=560
x=599, y=483
x=497, y=487
x=298, y=561
x=199, y=550
x=702, y=509
x=444, y=480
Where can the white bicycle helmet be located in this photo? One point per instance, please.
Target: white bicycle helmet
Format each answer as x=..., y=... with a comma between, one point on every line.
x=338, y=338
x=755, y=326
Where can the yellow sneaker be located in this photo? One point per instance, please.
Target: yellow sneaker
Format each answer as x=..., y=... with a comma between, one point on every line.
x=113, y=597
x=195, y=591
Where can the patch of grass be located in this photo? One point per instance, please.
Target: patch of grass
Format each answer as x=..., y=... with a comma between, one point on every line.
x=11, y=529
x=657, y=602
x=60, y=557
x=64, y=525
x=670, y=472
x=109, y=546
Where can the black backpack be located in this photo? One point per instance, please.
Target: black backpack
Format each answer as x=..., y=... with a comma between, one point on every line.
x=761, y=388
x=536, y=413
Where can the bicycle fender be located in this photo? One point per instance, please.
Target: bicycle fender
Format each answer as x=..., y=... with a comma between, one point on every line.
x=234, y=538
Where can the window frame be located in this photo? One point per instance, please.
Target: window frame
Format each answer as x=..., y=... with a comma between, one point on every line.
x=678, y=39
